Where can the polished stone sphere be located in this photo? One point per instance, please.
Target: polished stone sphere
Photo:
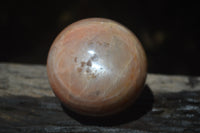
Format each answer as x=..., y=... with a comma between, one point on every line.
x=96, y=67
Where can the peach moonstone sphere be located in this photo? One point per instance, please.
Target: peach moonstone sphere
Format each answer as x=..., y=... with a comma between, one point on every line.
x=96, y=67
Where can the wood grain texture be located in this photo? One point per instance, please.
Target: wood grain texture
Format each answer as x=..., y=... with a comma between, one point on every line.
x=27, y=104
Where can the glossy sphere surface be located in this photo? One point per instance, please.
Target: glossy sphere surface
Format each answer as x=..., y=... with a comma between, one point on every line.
x=96, y=67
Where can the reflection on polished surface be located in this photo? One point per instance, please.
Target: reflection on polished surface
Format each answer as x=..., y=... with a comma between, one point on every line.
x=96, y=67
x=91, y=52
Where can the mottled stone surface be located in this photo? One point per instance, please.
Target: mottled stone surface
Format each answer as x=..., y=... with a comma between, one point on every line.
x=96, y=66
x=27, y=104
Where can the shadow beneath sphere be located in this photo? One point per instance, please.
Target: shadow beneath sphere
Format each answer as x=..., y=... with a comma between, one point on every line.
x=141, y=106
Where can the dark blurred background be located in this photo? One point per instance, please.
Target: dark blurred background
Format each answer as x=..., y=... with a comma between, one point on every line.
x=169, y=31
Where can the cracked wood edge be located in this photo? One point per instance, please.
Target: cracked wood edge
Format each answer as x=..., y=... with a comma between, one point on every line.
x=27, y=101
x=31, y=80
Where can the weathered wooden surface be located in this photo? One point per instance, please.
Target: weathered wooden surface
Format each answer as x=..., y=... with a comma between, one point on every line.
x=27, y=104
